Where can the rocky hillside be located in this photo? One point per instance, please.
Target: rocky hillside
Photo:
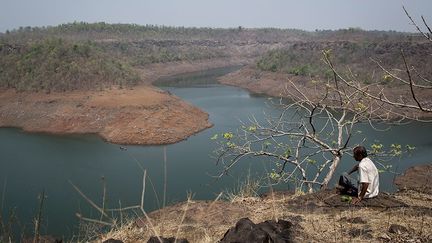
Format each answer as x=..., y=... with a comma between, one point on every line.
x=353, y=59
x=83, y=55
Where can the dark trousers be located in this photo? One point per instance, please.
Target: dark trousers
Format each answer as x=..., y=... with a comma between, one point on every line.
x=347, y=186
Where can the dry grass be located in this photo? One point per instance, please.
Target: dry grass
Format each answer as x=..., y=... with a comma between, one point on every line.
x=332, y=227
x=415, y=199
x=247, y=188
x=203, y=221
x=314, y=220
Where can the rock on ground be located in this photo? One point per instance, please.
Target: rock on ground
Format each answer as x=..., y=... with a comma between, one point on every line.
x=269, y=231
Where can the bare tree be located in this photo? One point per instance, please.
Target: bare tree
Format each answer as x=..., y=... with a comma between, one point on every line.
x=412, y=107
x=307, y=140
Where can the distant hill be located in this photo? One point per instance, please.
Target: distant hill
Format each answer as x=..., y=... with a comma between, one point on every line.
x=352, y=58
x=56, y=64
x=83, y=55
x=133, y=32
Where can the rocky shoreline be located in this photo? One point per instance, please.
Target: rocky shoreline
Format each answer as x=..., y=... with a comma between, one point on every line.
x=277, y=84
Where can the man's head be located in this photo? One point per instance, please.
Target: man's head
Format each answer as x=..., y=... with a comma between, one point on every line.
x=359, y=153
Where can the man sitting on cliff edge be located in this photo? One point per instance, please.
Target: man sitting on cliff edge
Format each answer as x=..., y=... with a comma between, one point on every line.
x=368, y=178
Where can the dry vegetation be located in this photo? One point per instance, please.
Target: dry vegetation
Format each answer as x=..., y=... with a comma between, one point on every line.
x=200, y=221
x=352, y=59
x=59, y=65
x=405, y=216
x=94, y=56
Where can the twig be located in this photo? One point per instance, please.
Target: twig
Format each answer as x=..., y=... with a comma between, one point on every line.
x=121, y=213
x=427, y=26
x=3, y=194
x=38, y=219
x=418, y=28
x=411, y=82
x=143, y=190
x=182, y=219
x=89, y=201
x=165, y=177
x=103, y=196
x=121, y=209
x=215, y=200
x=93, y=220
x=146, y=216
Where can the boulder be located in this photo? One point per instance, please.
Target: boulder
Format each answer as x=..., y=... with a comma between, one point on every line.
x=269, y=231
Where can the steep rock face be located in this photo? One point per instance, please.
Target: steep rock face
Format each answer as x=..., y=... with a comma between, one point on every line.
x=144, y=115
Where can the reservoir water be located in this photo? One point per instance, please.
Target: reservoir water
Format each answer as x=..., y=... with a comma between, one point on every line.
x=32, y=163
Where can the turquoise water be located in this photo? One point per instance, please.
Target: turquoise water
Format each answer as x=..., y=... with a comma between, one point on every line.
x=31, y=163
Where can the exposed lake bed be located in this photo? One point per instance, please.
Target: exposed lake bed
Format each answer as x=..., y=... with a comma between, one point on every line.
x=142, y=114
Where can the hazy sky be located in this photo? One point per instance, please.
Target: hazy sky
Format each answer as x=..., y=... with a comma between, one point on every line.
x=301, y=14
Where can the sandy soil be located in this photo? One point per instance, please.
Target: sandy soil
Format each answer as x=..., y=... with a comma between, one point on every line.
x=141, y=115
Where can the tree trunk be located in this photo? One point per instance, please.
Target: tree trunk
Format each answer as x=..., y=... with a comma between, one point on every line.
x=334, y=165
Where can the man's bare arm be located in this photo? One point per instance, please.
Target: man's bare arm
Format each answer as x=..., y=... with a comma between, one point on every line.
x=363, y=189
x=354, y=169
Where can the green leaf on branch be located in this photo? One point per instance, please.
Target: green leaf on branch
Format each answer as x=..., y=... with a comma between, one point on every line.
x=230, y=144
x=360, y=106
x=228, y=135
x=267, y=144
x=377, y=148
x=274, y=176
x=410, y=148
x=396, y=149
x=387, y=78
x=252, y=129
x=287, y=152
x=311, y=161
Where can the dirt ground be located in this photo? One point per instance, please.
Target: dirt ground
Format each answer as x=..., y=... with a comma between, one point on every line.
x=143, y=115
x=416, y=178
x=405, y=216
x=140, y=115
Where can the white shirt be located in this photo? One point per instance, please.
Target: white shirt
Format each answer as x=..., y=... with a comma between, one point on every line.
x=368, y=173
